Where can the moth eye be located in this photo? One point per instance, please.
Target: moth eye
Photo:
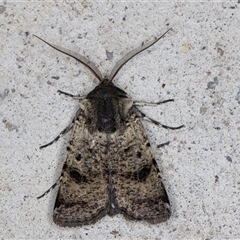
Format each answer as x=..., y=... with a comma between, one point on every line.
x=68, y=148
x=148, y=144
x=78, y=156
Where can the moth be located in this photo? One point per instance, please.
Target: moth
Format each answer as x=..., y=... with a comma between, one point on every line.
x=109, y=166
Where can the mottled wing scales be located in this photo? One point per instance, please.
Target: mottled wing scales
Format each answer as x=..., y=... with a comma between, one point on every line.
x=109, y=166
x=138, y=188
x=83, y=193
x=110, y=174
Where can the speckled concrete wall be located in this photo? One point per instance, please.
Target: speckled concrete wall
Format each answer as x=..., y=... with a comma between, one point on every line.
x=197, y=64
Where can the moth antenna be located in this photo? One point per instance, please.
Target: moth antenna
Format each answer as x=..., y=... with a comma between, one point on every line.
x=131, y=54
x=87, y=63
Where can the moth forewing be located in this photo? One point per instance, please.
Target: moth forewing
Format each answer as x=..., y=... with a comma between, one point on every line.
x=109, y=166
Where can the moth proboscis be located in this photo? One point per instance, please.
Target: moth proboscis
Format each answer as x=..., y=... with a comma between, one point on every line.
x=109, y=166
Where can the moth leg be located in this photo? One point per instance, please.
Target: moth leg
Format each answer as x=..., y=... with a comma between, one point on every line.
x=163, y=144
x=143, y=115
x=68, y=128
x=71, y=95
x=51, y=188
x=152, y=104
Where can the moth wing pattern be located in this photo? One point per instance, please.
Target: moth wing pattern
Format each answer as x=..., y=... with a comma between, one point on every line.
x=109, y=167
x=138, y=188
x=110, y=174
x=83, y=192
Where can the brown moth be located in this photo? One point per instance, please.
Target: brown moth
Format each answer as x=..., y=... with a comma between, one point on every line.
x=109, y=166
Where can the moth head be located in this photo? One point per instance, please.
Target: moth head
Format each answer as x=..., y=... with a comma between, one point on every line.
x=106, y=90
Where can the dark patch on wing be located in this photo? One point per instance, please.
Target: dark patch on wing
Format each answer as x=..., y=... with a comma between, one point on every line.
x=77, y=176
x=78, y=156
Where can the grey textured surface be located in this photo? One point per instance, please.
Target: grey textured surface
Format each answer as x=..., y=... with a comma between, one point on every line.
x=198, y=63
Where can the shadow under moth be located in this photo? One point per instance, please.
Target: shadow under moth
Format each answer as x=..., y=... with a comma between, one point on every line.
x=109, y=167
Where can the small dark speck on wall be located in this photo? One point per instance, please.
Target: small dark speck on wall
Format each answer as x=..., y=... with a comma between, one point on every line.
x=238, y=94
x=212, y=85
x=109, y=55
x=55, y=77
x=2, y=9
x=229, y=158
